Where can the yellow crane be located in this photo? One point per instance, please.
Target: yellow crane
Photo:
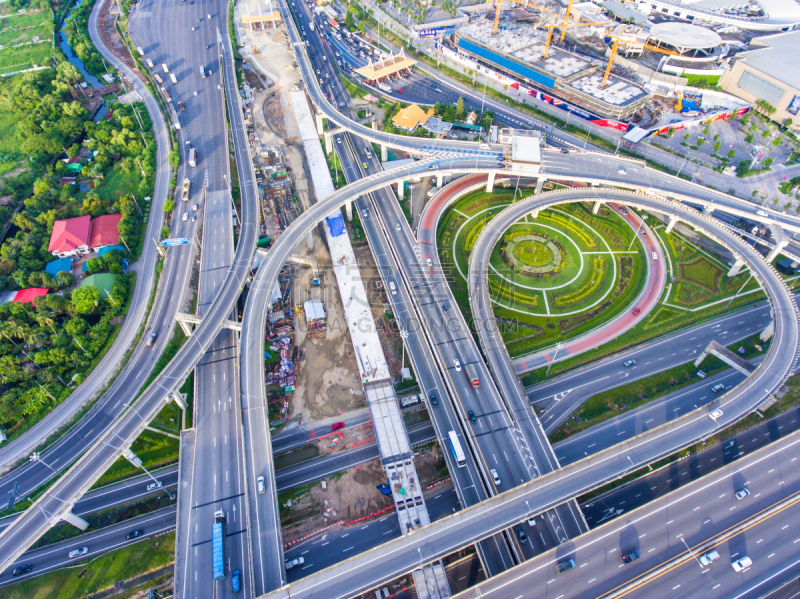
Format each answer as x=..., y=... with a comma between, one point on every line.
x=552, y=26
x=615, y=47
x=566, y=20
x=496, y=16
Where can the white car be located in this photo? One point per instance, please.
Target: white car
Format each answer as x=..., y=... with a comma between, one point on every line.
x=621, y=170
x=716, y=414
x=457, y=364
x=495, y=476
x=741, y=564
x=78, y=552
x=707, y=558
x=298, y=561
x=742, y=493
x=655, y=256
x=261, y=485
x=185, y=217
x=761, y=213
x=154, y=485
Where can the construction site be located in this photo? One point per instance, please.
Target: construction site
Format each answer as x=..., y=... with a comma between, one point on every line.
x=607, y=62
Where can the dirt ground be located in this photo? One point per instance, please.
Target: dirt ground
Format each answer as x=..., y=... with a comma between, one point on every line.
x=329, y=383
x=110, y=37
x=351, y=495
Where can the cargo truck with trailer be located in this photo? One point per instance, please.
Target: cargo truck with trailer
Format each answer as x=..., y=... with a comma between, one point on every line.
x=472, y=375
x=218, y=545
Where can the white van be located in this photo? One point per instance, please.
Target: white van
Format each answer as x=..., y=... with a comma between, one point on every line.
x=192, y=157
x=392, y=288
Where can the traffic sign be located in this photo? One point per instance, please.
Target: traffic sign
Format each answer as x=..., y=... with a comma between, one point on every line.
x=176, y=241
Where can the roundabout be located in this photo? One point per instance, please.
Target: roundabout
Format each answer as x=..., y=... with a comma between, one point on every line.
x=562, y=273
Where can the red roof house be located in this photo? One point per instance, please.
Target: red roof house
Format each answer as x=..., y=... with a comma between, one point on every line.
x=105, y=231
x=70, y=237
x=28, y=295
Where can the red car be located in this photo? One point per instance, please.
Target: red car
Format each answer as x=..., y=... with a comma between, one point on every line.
x=337, y=425
x=636, y=311
x=399, y=91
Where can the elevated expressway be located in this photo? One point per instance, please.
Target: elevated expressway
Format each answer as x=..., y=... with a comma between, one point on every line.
x=500, y=512
x=110, y=443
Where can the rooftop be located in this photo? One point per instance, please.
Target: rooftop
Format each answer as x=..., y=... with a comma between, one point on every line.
x=386, y=66
x=685, y=36
x=69, y=234
x=28, y=295
x=411, y=116
x=778, y=57
x=105, y=230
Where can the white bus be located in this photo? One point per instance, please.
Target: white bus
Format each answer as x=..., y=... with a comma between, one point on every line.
x=455, y=447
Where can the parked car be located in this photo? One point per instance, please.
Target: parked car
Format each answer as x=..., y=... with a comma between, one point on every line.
x=741, y=564
x=22, y=569
x=134, y=534
x=629, y=557
x=78, y=552
x=298, y=561
x=260, y=485
x=709, y=557
x=523, y=538
x=495, y=476
x=472, y=418
x=742, y=493
x=628, y=363
x=337, y=425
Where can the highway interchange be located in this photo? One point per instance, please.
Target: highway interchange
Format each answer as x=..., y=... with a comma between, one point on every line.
x=532, y=465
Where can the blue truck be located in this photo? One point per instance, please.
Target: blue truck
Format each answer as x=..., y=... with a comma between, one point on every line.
x=218, y=545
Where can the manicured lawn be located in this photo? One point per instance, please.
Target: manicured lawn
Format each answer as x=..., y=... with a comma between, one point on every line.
x=154, y=449
x=117, y=183
x=101, y=573
x=551, y=276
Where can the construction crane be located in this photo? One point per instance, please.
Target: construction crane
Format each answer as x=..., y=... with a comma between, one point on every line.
x=566, y=20
x=496, y=17
x=615, y=47
x=552, y=26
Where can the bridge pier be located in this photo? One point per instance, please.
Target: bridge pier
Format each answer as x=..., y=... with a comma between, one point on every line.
x=490, y=183
x=185, y=327
x=737, y=266
x=777, y=249
x=374, y=125
x=178, y=398
x=671, y=224
x=310, y=240
x=400, y=189
x=539, y=185
x=767, y=333
x=384, y=152
x=596, y=207
x=328, y=143
x=320, y=128
x=76, y=521
x=534, y=213
x=348, y=208
x=439, y=180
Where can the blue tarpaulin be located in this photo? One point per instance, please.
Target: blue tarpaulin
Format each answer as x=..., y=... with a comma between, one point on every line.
x=336, y=225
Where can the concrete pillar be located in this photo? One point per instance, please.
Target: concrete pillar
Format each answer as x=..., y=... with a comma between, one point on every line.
x=374, y=125
x=777, y=250
x=768, y=332
x=703, y=355
x=596, y=207
x=439, y=180
x=76, y=521
x=400, y=190
x=310, y=240
x=671, y=223
x=490, y=183
x=539, y=185
x=534, y=213
x=320, y=128
x=708, y=209
x=185, y=327
x=179, y=399
x=348, y=208
x=328, y=143
x=384, y=152
x=737, y=266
